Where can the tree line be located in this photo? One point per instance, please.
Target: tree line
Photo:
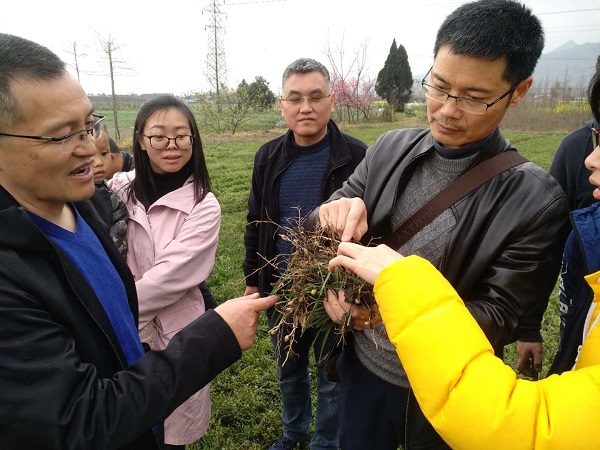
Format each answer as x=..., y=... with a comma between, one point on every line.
x=228, y=108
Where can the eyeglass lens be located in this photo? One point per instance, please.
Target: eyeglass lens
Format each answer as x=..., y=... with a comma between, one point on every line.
x=464, y=104
x=183, y=142
x=298, y=100
x=596, y=136
x=77, y=141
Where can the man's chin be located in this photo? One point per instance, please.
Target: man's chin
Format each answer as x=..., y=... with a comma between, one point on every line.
x=448, y=139
x=83, y=194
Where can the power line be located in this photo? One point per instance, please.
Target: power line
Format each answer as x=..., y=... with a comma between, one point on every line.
x=567, y=11
x=253, y=3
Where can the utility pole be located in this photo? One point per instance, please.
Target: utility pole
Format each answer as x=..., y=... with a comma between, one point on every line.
x=216, y=68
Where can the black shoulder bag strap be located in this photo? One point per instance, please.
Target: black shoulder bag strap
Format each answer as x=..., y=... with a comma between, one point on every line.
x=459, y=188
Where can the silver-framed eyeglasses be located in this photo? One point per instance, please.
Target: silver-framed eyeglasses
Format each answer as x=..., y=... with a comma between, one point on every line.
x=299, y=99
x=463, y=103
x=99, y=126
x=69, y=142
x=596, y=137
x=160, y=142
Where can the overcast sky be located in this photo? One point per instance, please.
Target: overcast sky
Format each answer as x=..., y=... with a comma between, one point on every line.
x=164, y=43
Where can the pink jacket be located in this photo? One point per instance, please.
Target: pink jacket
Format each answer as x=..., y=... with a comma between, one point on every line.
x=171, y=250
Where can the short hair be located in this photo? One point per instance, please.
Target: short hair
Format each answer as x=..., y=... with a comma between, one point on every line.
x=114, y=147
x=594, y=93
x=304, y=65
x=23, y=59
x=495, y=29
x=143, y=183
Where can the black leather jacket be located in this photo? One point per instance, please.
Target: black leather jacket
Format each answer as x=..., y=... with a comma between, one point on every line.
x=503, y=256
x=270, y=162
x=64, y=380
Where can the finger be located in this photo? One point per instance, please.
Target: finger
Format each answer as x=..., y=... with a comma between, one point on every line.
x=328, y=304
x=344, y=261
x=537, y=362
x=336, y=307
x=356, y=221
x=328, y=215
x=521, y=365
x=341, y=223
x=361, y=229
x=245, y=297
x=349, y=249
x=265, y=303
x=351, y=219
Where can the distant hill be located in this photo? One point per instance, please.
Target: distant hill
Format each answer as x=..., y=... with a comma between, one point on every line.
x=571, y=61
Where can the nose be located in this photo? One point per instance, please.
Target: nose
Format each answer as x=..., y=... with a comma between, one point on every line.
x=87, y=149
x=450, y=108
x=592, y=162
x=172, y=144
x=305, y=105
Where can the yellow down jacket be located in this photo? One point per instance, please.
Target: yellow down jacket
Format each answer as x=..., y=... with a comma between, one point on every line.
x=471, y=397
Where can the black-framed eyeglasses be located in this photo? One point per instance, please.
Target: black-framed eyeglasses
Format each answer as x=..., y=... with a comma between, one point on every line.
x=160, y=142
x=463, y=103
x=298, y=99
x=70, y=142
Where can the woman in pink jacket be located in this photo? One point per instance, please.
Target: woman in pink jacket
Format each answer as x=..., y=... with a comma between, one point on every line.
x=172, y=236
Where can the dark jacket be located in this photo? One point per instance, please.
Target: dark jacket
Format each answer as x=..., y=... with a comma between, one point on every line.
x=500, y=256
x=580, y=258
x=128, y=162
x=270, y=162
x=113, y=213
x=569, y=169
x=505, y=231
x=64, y=381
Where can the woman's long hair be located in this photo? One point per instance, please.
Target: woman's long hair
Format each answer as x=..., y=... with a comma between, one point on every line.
x=143, y=184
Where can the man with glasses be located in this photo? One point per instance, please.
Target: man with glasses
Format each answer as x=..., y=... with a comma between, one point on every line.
x=73, y=373
x=292, y=175
x=484, y=55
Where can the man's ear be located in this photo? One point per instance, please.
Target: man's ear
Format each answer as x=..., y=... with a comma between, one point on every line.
x=520, y=91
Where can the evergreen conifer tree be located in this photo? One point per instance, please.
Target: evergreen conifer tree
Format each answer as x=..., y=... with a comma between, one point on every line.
x=394, y=81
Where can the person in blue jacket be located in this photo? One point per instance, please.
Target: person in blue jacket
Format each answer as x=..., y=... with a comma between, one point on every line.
x=581, y=256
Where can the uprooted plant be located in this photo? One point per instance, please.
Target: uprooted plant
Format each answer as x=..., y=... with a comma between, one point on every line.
x=304, y=283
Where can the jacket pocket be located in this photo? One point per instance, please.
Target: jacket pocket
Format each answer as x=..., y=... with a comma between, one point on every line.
x=170, y=322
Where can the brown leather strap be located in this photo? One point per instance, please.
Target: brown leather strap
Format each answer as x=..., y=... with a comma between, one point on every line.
x=459, y=188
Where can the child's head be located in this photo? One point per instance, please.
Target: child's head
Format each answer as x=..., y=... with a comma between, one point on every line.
x=101, y=158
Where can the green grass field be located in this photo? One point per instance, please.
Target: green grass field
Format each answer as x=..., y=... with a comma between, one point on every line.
x=245, y=400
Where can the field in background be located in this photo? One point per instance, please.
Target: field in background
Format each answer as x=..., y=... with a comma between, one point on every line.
x=533, y=114
x=245, y=400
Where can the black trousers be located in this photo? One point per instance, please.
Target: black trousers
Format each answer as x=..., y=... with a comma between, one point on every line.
x=373, y=412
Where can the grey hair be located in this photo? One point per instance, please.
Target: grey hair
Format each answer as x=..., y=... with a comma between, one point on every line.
x=25, y=60
x=304, y=65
